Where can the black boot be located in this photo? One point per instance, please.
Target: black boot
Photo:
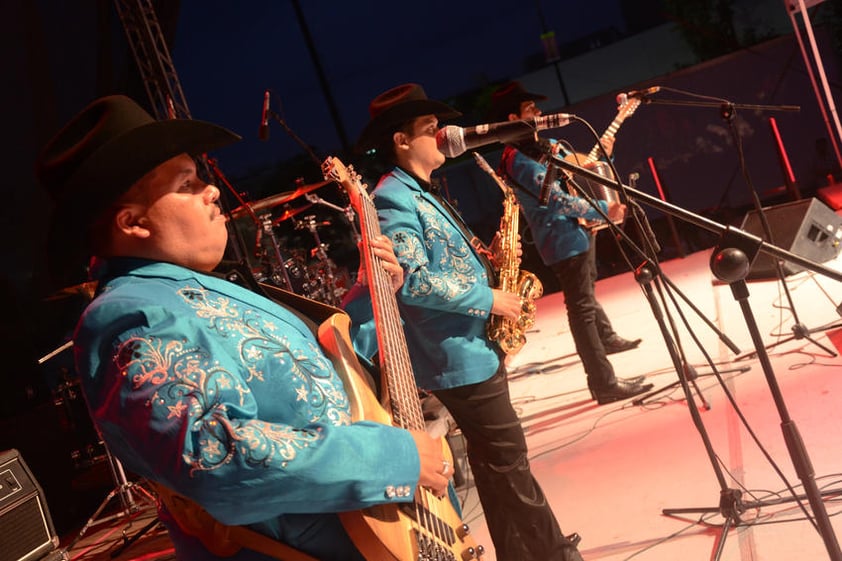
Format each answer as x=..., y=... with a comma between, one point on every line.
x=616, y=344
x=618, y=391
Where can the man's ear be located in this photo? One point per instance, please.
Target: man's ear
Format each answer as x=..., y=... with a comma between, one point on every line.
x=514, y=117
x=401, y=139
x=130, y=221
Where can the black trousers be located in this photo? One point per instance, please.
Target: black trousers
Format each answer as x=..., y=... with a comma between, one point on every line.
x=588, y=323
x=521, y=522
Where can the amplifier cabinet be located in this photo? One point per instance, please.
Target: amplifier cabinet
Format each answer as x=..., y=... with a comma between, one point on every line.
x=26, y=529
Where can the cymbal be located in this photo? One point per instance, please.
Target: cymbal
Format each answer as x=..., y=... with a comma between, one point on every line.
x=276, y=200
x=289, y=213
x=87, y=289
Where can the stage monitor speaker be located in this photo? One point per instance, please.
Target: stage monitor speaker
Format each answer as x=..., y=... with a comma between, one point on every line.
x=808, y=228
x=26, y=529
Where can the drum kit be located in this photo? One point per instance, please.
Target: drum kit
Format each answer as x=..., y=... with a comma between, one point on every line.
x=281, y=258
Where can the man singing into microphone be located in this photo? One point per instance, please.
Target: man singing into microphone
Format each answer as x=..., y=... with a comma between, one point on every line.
x=564, y=245
x=445, y=303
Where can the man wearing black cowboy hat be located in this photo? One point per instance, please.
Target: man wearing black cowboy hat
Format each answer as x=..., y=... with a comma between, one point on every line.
x=564, y=245
x=216, y=395
x=445, y=303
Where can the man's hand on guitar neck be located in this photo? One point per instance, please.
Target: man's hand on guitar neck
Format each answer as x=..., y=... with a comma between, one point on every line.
x=435, y=470
x=381, y=247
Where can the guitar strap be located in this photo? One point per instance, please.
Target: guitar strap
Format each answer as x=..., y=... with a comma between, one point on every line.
x=536, y=151
x=219, y=539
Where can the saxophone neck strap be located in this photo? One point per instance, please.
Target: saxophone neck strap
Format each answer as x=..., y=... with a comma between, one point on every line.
x=481, y=250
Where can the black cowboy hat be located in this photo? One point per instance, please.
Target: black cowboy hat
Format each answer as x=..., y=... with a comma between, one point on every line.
x=103, y=151
x=507, y=98
x=395, y=107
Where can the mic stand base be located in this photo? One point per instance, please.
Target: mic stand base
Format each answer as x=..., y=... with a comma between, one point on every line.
x=691, y=375
x=644, y=275
x=799, y=331
x=730, y=262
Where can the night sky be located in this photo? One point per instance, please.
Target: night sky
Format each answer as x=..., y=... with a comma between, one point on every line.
x=228, y=53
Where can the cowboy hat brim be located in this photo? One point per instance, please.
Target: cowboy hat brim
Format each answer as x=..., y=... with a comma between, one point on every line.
x=510, y=102
x=120, y=163
x=391, y=118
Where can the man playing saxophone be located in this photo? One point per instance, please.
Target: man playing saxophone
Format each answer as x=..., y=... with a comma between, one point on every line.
x=445, y=303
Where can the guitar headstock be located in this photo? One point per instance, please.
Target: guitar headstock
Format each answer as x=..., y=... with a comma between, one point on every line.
x=333, y=169
x=626, y=106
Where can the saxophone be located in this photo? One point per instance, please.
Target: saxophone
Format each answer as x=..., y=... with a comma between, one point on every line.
x=510, y=334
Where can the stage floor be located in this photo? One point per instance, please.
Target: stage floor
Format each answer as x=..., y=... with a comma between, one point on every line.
x=610, y=471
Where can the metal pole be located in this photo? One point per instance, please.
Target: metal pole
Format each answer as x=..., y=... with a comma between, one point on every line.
x=828, y=98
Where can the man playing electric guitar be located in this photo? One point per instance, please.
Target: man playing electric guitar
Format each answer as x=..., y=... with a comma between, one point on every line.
x=565, y=245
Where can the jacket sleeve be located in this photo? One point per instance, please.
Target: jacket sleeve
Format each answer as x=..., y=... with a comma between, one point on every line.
x=530, y=174
x=226, y=430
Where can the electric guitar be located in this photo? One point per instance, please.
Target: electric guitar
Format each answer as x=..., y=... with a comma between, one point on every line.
x=429, y=527
x=592, y=160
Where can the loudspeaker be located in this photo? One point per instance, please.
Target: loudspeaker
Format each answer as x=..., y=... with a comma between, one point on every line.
x=26, y=529
x=808, y=228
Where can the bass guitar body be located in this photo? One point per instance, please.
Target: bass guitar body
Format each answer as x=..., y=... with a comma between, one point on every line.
x=428, y=527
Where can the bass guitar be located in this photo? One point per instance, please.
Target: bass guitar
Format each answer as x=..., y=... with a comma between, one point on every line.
x=428, y=528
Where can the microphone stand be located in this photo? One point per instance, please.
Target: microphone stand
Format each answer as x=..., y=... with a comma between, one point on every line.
x=652, y=274
x=291, y=133
x=728, y=112
x=239, y=244
x=731, y=262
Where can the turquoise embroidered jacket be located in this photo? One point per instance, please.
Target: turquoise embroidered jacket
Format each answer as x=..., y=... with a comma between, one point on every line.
x=446, y=297
x=555, y=227
x=225, y=397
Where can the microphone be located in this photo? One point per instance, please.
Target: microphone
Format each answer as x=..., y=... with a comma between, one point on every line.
x=263, y=133
x=643, y=93
x=454, y=141
x=546, y=186
x=550, y=177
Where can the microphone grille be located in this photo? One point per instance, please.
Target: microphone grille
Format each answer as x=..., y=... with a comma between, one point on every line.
x=450, y=141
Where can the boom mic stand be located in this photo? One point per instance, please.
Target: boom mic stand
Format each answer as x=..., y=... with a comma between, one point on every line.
x=649, y=272
x=653, y=275
x=728, y=112
x=732, y=262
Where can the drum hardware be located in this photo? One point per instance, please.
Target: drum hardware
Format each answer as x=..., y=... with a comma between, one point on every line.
x=289, y=213
x=327, y=291
x=134, y=499
x=54, y=352
x=275, y=200
x=272, y=259
x=86, y=448
x=348, y=211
